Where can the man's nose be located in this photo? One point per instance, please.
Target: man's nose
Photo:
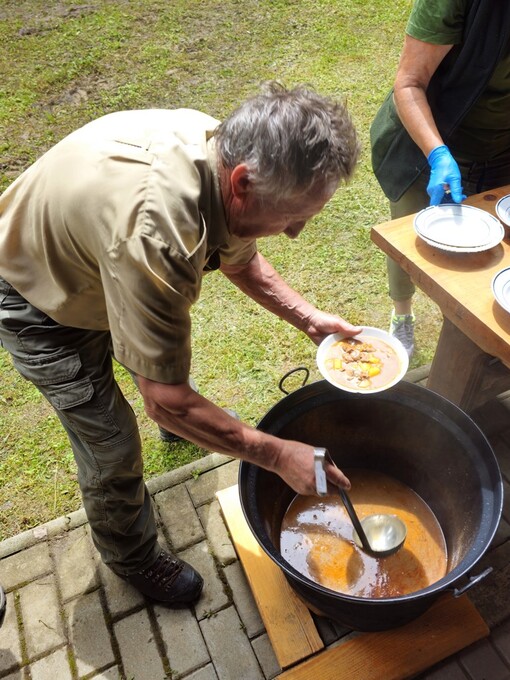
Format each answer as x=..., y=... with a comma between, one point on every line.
x=293, y=230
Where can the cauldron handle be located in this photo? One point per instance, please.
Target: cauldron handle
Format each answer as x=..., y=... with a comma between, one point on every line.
x=457, y=592
x=289, y=373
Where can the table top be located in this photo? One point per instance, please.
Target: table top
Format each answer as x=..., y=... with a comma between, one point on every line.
x=459, y=283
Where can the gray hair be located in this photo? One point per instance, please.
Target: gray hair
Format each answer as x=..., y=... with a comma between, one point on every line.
x=290, y=140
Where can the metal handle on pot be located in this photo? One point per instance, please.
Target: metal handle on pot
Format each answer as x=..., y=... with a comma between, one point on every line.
x=473, y=580
x=289, y=373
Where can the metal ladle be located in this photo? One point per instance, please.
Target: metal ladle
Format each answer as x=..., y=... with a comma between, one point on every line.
x=379, y=535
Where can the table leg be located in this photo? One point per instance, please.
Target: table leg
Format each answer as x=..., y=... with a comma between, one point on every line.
x=463, y=373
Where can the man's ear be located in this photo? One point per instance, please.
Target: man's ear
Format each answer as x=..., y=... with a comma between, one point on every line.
x=240, y=183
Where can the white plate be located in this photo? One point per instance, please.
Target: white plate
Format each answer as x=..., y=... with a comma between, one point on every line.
x=367, y=332
x=458, y=228
x=501, y=288
x=503, y=210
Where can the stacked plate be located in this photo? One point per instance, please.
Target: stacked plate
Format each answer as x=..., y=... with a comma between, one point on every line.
x=503, y=210
x=501, y=288
x=459, y=228
x=501, y=282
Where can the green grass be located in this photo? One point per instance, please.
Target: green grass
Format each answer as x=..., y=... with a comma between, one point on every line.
x=63, y=64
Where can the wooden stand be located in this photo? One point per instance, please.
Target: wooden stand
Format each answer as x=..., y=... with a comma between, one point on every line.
x=447, y=627
x=464, y=374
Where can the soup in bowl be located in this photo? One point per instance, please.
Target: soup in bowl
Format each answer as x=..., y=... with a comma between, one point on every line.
x=369, y=362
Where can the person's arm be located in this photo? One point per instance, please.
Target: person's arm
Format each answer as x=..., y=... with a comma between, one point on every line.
x=260, y=281
x=418, y=63
x=180, y=409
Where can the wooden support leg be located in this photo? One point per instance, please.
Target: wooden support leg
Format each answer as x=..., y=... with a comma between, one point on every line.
x=463, y=373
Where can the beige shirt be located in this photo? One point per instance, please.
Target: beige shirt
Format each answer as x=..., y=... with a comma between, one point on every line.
x=112, y=228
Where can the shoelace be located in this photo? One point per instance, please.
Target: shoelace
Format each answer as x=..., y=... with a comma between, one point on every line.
x=164, y=571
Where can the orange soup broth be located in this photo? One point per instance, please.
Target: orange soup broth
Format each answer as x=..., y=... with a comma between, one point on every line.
x=317, y=540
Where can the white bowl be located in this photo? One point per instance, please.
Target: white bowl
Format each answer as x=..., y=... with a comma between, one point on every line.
x=366, y=333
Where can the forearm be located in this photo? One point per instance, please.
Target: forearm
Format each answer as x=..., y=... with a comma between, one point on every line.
x=181, y=410
x=259, y=280
x=418, y=63
x=414, y=112
x=263, y=284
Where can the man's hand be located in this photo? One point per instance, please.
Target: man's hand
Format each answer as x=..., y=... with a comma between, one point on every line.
x=320, y=324
x=295, y=465
x=444, y=172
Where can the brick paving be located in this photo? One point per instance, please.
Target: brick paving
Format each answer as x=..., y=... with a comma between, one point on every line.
x=71, y=618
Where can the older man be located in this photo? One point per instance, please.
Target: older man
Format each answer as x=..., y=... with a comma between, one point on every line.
x=103, y=245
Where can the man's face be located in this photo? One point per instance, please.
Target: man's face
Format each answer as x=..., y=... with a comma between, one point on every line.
x=250, y=218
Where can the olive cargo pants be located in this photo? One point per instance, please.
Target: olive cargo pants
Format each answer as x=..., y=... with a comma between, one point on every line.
x=73, y=369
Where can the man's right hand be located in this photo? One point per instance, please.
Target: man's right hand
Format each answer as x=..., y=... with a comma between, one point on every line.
x=295, y=464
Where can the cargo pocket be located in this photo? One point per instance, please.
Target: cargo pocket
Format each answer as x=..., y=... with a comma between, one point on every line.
x=74, y=398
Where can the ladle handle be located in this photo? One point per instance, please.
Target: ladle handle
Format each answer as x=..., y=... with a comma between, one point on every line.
x=354, y=519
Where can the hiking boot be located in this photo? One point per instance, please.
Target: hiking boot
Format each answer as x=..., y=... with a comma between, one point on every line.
x=402, y=328
x=169, y=581
x=170, y=438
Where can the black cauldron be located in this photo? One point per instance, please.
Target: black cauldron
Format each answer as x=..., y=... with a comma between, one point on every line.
x=410, y=433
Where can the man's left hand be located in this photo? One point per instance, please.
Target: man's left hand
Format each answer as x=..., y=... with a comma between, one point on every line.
x=322, y=324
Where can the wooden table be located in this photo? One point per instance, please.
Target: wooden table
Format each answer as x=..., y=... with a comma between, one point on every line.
x=472, y=359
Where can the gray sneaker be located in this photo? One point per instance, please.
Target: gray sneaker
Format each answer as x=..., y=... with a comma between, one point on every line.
x=402, y=327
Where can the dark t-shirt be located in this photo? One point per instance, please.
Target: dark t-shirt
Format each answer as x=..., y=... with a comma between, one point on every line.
x=485, y=131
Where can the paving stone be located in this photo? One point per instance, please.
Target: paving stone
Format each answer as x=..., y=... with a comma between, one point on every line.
x=25, y=566
x=502, y=450
x=182, y=637
x=111, y=674
x=501, y=641
x=70, y=550
x=10, y=645
x=236, y=659
x=203, y=489
x=55, y=665
x=178, y=514
x=506, y=500
x=341, y=630
x=120, y=596
x=325, y=629
x=481, y=662
x=17, y=675
x=88, y=633
x=244, y=600
x=217, y=534
x=213, y=595
x=266, y=656
x=40, y=611
x=205, y=673
x=138, y=648
x=490, y=596
x=502, y=458
x=492, y=417
x=182, y=474
x=502, y=534
x=448, y=670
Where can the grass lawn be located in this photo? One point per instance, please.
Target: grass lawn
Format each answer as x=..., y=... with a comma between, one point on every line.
x=64, y=64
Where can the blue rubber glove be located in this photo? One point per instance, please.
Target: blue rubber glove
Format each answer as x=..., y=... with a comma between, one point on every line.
x=443, y=170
